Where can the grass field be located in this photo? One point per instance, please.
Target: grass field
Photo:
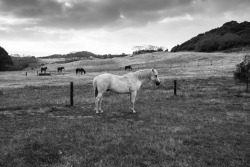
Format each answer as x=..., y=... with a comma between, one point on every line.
x=206, y=124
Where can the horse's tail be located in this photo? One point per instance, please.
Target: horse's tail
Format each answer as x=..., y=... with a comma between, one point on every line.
x=95, y=88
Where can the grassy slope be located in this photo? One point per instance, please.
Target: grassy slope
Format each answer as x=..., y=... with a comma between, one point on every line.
x=169, y=65
x=207, y=124
x=157, y=60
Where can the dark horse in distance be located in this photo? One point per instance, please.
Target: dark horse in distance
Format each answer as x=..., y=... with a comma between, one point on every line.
x=81, y=70
x=43, y=69
x=128, y=68
x=59, y=69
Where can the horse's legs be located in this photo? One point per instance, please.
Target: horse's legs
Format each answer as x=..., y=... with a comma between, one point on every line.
x=132, y=100
x=98, y=103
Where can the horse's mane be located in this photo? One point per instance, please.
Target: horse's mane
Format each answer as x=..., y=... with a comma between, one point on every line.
x=142, y=74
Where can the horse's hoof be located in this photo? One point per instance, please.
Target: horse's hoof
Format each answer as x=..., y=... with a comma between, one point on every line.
x=133, y=111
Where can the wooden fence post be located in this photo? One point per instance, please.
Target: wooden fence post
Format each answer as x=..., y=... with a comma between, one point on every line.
x=71, y=94
x=247, y=84
x=175, y=87
x=26, y=73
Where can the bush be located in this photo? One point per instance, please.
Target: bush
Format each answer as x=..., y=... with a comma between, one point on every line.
x=20, y=63
x=242, y=73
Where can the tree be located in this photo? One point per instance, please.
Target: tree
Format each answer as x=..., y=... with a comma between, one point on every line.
x=5, y=59
x=147, y=49
x=229, y=40
x=209, y=44
x=242, y=73
x=230, y=35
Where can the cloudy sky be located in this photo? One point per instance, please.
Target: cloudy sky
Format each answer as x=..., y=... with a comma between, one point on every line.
x=45, y=27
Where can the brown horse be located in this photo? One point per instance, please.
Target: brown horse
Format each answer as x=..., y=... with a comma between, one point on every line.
x=81, y=70
x=59, y=69
x=43, y=69
x=128, y=68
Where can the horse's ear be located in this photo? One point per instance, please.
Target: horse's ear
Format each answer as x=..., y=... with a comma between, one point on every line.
x=153, y=70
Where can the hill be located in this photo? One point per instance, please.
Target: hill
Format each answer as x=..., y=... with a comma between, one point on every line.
x=169, y=65
x=80, y=55
x=230, y=35
x=178, y=65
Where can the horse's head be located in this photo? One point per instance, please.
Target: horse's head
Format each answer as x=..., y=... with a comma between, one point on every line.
x=154, y=77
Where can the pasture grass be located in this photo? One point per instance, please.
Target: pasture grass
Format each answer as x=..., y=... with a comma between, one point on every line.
x=207, y=124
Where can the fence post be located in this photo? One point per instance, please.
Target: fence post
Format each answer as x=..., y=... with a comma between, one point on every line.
x=26, y=73
x=175, y=87
x=247, y=84
x=71, y=94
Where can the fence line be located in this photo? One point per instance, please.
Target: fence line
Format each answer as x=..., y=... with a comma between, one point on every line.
x=71, y=94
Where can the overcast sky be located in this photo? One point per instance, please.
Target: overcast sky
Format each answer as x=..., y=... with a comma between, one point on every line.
x=45, y=27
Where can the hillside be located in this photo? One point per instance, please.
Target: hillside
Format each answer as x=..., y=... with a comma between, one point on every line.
x=179, y=65
x=227, y=37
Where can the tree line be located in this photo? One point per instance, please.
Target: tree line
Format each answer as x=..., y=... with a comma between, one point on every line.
x=148, y=49
x=14, y=63
x=5, y=60
x=231, y=35
x=83, y=55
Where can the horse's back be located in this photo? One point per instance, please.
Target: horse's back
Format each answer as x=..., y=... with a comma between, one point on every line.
x=102, y=81
x=103, y=77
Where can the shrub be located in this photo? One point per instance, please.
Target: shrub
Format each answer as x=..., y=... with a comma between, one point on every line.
x=242, y=73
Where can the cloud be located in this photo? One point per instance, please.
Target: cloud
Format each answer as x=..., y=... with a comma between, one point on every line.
x=112, y=25
x=73, y=14
x=112, y=14
x=186, y=17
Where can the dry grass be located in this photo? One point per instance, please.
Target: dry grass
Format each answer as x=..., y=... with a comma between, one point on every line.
x=207, y=124
x=169, y=65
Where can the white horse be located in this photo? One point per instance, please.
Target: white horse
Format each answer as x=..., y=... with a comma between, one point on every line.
x=126, y=84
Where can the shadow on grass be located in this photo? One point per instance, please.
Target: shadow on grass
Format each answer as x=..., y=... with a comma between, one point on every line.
x=115, y=117
x=33, y=153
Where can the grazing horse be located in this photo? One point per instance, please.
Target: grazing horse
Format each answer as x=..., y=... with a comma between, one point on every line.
x=43, y=69
x=128, y=68
x=80, y=70
x=129, y=83
x=59, y=69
